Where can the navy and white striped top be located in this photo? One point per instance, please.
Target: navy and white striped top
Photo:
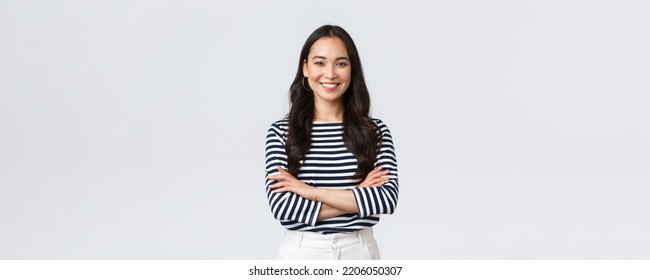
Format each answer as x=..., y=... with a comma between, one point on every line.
x=329, y=164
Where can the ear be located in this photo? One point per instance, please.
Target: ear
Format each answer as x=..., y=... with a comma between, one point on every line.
x=304, y=68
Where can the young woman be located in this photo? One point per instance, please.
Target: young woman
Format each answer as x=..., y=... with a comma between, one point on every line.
x=331, y=170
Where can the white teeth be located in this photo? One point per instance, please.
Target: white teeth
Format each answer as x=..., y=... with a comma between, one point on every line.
x=330, y=85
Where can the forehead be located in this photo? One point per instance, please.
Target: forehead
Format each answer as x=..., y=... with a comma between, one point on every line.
x=328, y=47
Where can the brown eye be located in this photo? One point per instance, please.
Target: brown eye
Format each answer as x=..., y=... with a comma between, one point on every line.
x=319, y=63
x=342, y=64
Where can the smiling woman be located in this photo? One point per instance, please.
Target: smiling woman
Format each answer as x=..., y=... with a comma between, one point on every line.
x=328, y=72
x=331, y=168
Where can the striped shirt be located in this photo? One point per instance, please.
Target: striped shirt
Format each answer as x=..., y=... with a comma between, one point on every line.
x=329, y=164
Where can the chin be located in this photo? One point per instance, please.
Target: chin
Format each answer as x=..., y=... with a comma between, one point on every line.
x=330, y=97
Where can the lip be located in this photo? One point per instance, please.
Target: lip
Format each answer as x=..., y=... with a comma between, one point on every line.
x=330, y=86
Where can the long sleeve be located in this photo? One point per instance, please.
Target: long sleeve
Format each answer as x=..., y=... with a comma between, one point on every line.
x=285, y=206
x=381, y=199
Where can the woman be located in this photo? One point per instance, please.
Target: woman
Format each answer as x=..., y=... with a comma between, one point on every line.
x=331, y=169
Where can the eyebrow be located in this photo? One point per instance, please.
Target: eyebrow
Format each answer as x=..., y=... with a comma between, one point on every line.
x=338, y=58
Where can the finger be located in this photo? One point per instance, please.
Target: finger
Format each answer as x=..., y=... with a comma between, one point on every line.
x=288, y=176
x=280, y=190
x=285, y=188
x=370, y=183
x=378, y=182
x=375, y=176
x=277, y=177
x=383, y=171
x=277, y=185
x=373, y=173
x=283, y=171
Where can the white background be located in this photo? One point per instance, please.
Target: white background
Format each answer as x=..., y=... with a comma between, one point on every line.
x=135, y=129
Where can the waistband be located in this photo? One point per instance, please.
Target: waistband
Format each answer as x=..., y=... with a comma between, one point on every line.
x=317, y=240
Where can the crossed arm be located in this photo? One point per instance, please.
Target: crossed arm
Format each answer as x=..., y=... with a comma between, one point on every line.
x=334, y=202
x=292, y=200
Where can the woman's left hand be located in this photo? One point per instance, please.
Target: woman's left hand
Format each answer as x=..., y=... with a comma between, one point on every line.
x=288, y=183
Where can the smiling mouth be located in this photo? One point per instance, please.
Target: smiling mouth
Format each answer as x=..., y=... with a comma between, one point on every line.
x=330, y=86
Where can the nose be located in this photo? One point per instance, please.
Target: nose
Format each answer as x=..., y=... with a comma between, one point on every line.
x=330, y=72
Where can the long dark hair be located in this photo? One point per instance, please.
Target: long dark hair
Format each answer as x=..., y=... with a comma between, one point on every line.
x=360, y=134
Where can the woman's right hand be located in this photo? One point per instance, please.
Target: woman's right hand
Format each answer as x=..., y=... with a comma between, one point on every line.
x=375, y=178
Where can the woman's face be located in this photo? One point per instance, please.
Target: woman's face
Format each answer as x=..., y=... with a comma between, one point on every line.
x=328, y=69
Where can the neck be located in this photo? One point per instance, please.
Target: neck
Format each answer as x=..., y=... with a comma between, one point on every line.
x=328, y=111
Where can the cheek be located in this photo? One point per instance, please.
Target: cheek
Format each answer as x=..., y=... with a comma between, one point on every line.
x=313, y=74
x=345, y=75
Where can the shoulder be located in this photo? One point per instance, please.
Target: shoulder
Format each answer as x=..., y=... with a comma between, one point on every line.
x=386, y=137
x=283, y=123
x=381, y=125
x=279, y=127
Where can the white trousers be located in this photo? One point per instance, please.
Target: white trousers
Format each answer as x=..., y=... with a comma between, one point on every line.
x=304, y=245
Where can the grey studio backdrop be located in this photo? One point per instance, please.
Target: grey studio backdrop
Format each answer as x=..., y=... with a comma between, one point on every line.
x=136, y=129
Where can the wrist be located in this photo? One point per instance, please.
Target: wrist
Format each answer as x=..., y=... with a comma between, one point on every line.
x=317, y=194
